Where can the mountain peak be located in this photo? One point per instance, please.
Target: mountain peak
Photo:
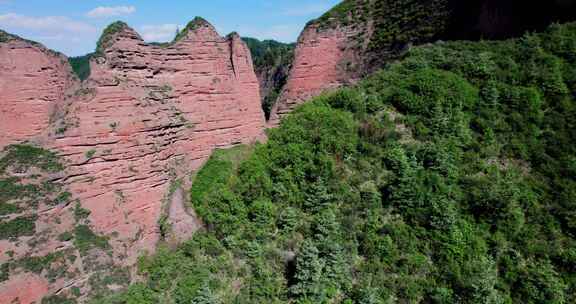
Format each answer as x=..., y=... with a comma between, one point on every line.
x=192, y=26
x=106, y=39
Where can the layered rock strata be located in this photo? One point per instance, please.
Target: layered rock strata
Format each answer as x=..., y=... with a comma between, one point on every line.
x=33, y=80
x=131, y=135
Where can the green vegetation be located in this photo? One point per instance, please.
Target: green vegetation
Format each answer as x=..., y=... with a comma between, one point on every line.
x=90, y=153
x=272, y=61
x=57, y=300
x=4, y=272
x=343, y=12
x=7, y=208
x=396, y=23
x=20, y=226
x=28, y=188
x=448, y=177
x=5, y=37
x=81, y=65
x=105, y=38
x=268, y=53
x=85, y=239
x=25, y=156
x=65, y=236
x=38, y=264
x=80, y=213
x=217, y=171
x=401, y=22
x=191, y=26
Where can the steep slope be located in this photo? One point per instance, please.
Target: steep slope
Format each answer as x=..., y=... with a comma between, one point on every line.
x=358, y=37
x=145, y=119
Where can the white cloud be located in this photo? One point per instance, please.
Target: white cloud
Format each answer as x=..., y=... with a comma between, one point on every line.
x=159, y=33
x=58, y=38
x=48, y=23
x=283, y=32
x=110, y=11
x=307, y=10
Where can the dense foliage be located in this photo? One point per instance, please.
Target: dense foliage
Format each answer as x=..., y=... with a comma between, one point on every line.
x=81, y=65
x=272, y=61
x=269, y=52
x=449, y=177
x=395, y=22
x=383, y=30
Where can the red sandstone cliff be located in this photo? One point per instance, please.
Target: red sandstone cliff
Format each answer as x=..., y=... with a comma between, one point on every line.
x=145, y=119
x=322, y=61
x=33, y=80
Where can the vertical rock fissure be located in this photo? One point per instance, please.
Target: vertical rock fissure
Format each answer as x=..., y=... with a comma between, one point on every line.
x=232, y=54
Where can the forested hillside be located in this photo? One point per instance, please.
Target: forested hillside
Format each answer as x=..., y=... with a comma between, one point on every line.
x=447, y=177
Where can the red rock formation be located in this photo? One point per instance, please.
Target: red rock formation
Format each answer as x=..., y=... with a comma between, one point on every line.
x=150, y=110
x=321, y=62
x=146, y=118
x=23, y=289
x=33, y=80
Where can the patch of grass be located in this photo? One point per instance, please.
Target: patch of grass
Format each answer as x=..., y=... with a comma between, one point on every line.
x=90, y=153
x=24, y=156
x=217, y=170
x=4, y=272
x=80, y=213
x=38, y=264
x=65, y=236
x=21, y=226
x=7, y=208
x=63, y=197
x=85, y=239
x=15, y=195
x=56, y=299
x=11, y=188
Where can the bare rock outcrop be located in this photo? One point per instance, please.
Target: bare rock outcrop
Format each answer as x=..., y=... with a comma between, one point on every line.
x=33, y=80
x=130, y=136
x=322, y=62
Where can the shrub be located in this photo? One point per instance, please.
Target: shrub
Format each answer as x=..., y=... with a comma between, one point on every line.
x=18, y=227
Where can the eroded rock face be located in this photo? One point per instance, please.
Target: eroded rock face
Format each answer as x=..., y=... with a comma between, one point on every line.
x=150, y=115
x=33, y=80
x=146, y=118
x=322, y=61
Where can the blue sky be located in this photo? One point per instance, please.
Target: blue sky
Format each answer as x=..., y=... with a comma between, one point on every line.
x=73, y=26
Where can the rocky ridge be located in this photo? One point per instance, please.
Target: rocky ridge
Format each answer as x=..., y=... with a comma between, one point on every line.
x=358, y=37
x=147, y=117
